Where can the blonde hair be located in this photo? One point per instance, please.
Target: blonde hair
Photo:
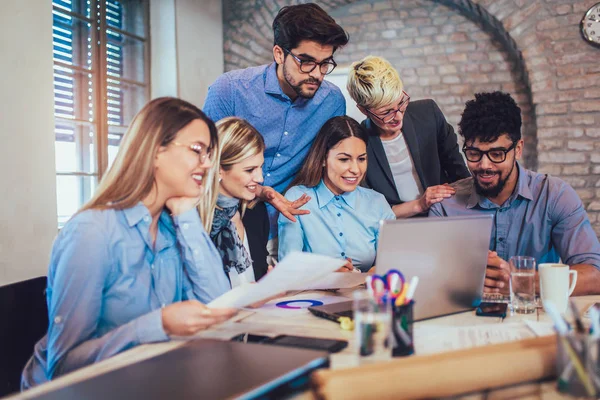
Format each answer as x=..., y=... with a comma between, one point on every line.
x=238, y=141
x=131, y=177
x=373, y=82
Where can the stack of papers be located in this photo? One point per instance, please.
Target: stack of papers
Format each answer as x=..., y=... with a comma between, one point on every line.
x=297, y=271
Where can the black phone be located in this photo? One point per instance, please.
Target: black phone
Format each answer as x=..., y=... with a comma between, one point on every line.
x=251, y=338
x=330, y=345
x=492, y=310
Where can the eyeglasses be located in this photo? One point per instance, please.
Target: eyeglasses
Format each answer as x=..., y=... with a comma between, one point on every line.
x=202, y=152
x=326, y=67
x=496, y=155
x=389, y=117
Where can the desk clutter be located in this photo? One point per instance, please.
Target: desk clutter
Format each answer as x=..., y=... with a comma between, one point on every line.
x=456, y=372
x=578, y=358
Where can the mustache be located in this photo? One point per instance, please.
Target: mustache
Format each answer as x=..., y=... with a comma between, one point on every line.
x=312, y=81
x=485, y=172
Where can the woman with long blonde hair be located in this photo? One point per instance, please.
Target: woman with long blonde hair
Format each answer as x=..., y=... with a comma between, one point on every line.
x=234, y=210
x=117, y=277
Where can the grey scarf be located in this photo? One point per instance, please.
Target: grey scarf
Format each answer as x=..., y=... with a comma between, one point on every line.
x=225, y=237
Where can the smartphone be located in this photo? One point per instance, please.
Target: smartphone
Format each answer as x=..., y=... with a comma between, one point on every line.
x=250, y=338
x=492, y=310
x=330, y=345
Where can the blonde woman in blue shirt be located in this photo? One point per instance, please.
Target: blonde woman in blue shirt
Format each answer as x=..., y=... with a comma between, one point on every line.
x=344, y=217
x=117, y=277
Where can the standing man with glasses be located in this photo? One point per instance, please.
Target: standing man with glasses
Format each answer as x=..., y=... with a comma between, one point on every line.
x=412, y=150
x=287, y=101
x=535, y=214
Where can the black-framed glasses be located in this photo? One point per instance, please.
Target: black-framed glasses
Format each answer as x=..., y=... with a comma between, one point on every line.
x=389, y=117
x=496, y=155
x=202, y=152
x=307, y=66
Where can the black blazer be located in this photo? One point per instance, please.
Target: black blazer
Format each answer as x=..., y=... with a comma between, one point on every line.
x=433, y=147
x=256, y=223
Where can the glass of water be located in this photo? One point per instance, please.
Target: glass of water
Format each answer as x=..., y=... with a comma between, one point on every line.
x=372, y=325
x=522, y=284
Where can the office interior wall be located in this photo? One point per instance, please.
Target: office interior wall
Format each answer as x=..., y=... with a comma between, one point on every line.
x=28, y=222
x=199, y=47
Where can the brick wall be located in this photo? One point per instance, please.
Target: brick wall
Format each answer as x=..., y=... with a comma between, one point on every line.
x=441, y=54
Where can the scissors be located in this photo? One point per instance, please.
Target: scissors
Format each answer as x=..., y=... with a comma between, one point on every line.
x=390, y=284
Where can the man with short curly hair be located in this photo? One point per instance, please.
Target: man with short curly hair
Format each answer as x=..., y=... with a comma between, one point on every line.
x=535, y=214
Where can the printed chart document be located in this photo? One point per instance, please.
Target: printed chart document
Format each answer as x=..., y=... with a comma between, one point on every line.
x=294, y=272
x=431, y=339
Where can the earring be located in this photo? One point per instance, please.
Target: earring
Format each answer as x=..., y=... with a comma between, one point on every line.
x=220, y=179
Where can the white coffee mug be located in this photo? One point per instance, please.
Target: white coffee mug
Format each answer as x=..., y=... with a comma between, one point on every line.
x=554, y=284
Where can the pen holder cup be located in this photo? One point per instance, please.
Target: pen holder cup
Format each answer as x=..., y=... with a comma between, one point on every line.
x=402, y=330
x=577, y=365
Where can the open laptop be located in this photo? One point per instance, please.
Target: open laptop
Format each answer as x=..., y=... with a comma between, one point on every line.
x=449, y=255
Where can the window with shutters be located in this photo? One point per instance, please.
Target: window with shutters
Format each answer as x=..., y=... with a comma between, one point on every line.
x=101, y=75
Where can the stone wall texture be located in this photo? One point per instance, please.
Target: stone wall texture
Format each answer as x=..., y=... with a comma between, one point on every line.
x=444, y=54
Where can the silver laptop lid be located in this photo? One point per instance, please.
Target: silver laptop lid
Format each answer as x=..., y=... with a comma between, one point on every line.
x=449, y=255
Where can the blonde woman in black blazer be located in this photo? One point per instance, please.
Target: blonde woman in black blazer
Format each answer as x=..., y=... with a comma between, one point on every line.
x=413, y=152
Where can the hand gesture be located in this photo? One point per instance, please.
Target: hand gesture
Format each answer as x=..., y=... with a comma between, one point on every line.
x=497, y=274
x=435, y=194
x=283, y=205
x=186, y=318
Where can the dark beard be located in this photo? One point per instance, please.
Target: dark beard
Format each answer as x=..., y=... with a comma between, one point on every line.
x=298, y=88
x=491, y=191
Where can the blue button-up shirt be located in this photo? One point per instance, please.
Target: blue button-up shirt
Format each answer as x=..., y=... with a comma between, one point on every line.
x=288, y=127
x=543, y=218
x=107, y=283
x=342, y=226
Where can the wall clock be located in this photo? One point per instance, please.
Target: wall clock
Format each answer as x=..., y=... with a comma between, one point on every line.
x=590, y=25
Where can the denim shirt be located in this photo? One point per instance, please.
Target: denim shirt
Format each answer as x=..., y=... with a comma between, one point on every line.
x=341, y=226
x=288, y=127
x=107, y=283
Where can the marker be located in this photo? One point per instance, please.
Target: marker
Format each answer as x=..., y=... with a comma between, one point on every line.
x=414, y=282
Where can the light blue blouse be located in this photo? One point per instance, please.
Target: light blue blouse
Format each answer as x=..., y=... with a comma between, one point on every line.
x=338, y=226
x=107, y=284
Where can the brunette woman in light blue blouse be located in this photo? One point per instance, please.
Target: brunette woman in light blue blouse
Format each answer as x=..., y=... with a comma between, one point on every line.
x=134, y=265
x=344, y=217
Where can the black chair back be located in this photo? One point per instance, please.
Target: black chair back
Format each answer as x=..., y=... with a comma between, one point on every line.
x=23, y=321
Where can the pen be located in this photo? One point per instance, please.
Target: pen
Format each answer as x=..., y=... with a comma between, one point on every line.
x=578, y=324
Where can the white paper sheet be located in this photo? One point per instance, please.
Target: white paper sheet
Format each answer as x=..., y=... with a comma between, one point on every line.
x=431, y=339
x=336, y=280
x=294, y=272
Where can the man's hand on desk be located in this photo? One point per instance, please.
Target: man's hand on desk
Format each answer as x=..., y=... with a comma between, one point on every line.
x=186, y=318
x=497, y=274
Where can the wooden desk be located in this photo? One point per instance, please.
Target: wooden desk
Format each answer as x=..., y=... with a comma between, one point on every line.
x=305, y=324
